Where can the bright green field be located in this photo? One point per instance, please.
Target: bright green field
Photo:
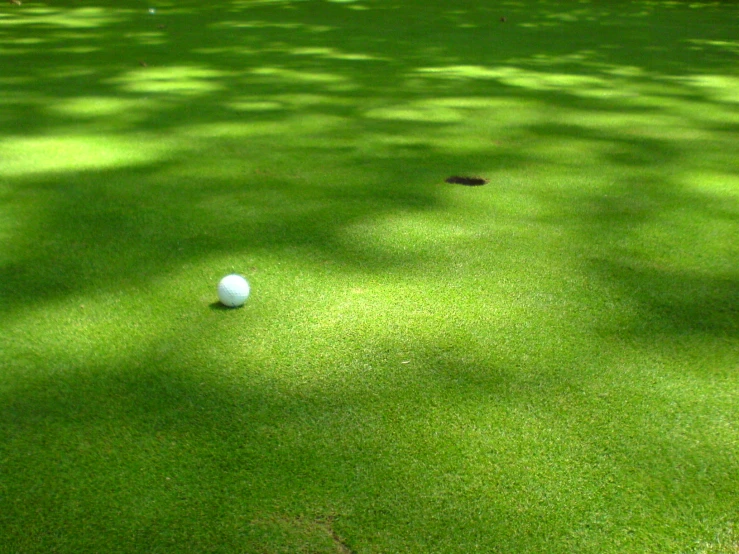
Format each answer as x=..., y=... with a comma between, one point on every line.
x=545, y=364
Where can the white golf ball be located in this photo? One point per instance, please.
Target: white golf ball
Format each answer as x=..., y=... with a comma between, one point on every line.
x=233, y=290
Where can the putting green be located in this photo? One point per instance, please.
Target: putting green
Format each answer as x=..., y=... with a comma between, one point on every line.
x=546, y=363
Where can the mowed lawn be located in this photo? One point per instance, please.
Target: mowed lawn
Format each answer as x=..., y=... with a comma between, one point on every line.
x=548, y=363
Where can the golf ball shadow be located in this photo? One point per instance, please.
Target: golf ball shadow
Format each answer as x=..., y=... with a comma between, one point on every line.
x=218, y=307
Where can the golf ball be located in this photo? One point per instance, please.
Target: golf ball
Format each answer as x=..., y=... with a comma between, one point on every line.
x=233, y=290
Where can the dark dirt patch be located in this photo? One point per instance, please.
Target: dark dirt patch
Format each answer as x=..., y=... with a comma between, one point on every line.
x=307, y=533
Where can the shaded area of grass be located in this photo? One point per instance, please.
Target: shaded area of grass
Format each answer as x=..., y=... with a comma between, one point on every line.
x=438, y=454
x=543, y=364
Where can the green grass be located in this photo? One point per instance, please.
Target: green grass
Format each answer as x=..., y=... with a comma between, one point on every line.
x=545, y=364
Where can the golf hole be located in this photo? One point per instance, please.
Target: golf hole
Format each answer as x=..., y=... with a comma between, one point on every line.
x=467, y=181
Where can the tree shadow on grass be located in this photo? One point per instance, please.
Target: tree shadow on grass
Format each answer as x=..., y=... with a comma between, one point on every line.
x=160, y=452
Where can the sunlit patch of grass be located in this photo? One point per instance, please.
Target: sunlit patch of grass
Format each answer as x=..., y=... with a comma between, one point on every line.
x=81, y=18
x=719, y=87
x=183, y=80
x=28, y=156
x=333, y=54
x=84, y=107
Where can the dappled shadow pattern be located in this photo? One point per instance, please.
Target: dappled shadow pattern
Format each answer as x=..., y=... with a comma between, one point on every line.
x=306, y=141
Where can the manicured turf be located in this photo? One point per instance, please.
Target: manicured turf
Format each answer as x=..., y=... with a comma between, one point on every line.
x=546, y=363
